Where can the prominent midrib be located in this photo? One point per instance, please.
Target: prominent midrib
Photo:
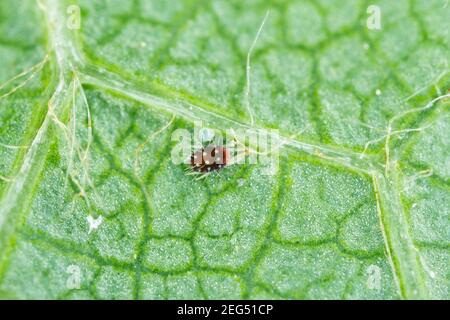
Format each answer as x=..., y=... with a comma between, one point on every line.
x=404, y=257
x=191, y=112
x=63, y=45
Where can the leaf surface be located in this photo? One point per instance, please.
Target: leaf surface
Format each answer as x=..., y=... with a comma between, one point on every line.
x=92, y=206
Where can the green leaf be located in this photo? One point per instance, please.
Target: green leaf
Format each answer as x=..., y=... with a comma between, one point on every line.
x=92, y=206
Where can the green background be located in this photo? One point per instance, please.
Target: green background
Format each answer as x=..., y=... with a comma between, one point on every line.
x=317, y=229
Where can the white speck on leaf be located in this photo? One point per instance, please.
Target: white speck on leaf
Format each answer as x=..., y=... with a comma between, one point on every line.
x=94, y=223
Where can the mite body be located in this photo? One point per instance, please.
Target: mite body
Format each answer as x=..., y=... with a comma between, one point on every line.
x=211, y=158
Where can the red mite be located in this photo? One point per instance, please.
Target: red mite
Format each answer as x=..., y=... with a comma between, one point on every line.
x=211, y=158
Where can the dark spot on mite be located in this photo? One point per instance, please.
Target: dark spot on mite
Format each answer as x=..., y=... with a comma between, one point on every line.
x=211, y=158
